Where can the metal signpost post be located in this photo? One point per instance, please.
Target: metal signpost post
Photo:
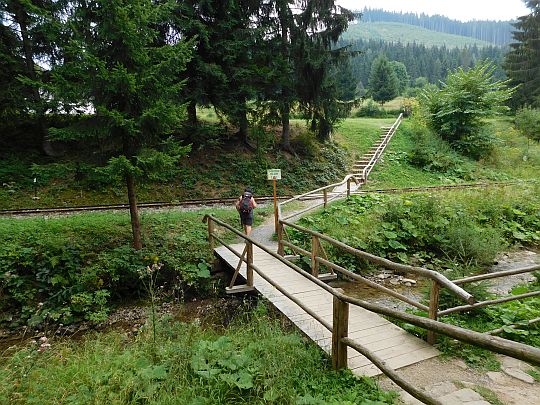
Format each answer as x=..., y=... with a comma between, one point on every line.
x=274, y=174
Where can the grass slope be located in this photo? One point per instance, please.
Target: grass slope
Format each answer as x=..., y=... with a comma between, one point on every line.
x=405, y=33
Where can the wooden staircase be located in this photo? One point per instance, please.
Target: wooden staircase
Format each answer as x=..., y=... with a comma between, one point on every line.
x=365, y=164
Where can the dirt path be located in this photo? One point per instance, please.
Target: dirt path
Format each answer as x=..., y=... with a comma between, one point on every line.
x=454, y=383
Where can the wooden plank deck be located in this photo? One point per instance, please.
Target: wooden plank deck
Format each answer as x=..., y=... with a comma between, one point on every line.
x=397, y=347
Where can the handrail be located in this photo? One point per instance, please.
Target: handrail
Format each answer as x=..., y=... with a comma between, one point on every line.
x=434, y=275
x=347, y=178
x=500, y=345
x=379, y=151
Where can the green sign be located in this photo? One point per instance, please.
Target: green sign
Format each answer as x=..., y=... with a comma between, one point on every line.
x=273, y=174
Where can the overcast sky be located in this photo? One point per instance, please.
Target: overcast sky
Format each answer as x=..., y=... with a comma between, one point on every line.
x=463, y=10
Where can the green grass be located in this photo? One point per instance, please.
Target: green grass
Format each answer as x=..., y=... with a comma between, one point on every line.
x=68, y=269
x=253, y=361
x=357, y=135
x=405, y=33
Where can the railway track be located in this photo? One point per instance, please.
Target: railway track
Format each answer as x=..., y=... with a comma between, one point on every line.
x=229, y=201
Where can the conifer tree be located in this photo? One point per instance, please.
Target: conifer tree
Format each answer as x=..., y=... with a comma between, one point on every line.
x=116, y=65
x=383, y=83
x=523, y=61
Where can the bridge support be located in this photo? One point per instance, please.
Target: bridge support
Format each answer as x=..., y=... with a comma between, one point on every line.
x=340, y=330
x=433, y=309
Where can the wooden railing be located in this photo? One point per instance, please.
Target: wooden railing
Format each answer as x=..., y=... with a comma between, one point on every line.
x=379, y=151
x=327, y=196
x=341, y=302
x=501, y=300
x=327, y=192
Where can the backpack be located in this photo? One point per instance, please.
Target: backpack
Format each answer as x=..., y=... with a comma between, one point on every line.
x=245, y=203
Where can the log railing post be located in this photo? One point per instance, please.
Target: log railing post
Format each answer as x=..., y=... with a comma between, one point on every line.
x=348, y=187
x=314, y=254
x=340, y=330
x=210, y=233
x=433, y=309
x=325, y=197
x=249, y=264
x=281, y=250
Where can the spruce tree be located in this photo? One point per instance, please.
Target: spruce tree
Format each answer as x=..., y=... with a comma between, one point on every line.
x=523, y=61
x=116, y=65
x=383, y=83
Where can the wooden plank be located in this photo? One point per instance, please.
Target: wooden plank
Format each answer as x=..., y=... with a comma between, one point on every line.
x=397, y=347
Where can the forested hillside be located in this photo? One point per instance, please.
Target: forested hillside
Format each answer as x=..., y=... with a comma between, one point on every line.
x=495, y=32
x=433, y=63
x=406, y=33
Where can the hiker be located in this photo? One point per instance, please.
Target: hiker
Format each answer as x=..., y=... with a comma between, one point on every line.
x=244, y=206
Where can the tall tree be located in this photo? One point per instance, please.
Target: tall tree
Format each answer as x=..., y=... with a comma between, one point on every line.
x=523, y=61
x=117, y=65
x=34, y=36
x=401, y=74
x=383, y=83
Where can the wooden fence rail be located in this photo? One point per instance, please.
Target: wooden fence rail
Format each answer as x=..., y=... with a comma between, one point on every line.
x=340, y=340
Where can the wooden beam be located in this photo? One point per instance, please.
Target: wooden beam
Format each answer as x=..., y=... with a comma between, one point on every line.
x=433, y=309
x=395, y=377
x=340, y=330
x=497, y=274
x=490, y=302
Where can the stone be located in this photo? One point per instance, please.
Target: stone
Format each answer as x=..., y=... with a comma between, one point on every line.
x=519, y=374
x=510, y=362
x=408, y=399
x=394, y=281
x=409, y=280
x=463, y=396
x=497, y=377
x=384, y=276
x=461, y=364
x=442, y=388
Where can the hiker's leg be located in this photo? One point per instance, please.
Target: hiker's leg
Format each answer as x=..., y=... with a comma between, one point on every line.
x=247, y=229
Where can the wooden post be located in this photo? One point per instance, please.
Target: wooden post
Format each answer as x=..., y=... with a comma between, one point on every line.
x=249, y=270
x=210, y=233
x=325, y=197
x=280, y=250
x=276, y=219
x=340, y=329
x=348, y=187
x=314, y=254
x=433, y=309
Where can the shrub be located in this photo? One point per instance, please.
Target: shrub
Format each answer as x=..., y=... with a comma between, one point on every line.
x=74, y=268
x=528, y=123
x=457, y=110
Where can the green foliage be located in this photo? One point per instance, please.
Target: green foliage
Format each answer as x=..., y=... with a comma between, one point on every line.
x=522, y=62
x=253, y=361
x=456, y=111
x=383, y=82
x=64, y=270
x=528, y=123
x=427, y=230
x=401, y=73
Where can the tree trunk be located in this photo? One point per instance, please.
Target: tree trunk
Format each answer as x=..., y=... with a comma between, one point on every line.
x=134, y=212
x=192, y=113
x=286, y=127
x=28, y=49
x=243, y=126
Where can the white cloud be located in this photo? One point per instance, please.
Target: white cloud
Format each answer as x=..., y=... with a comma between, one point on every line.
x=464, y=10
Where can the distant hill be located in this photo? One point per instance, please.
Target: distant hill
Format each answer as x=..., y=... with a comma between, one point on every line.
x=495, y=32
x=405, y=33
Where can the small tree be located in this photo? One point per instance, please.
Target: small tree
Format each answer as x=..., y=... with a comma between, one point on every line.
x=528, y=123
x=383, y=83
x=401, y=73
x=457, y=110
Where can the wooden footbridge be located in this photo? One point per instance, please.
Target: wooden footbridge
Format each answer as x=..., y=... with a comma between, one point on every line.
x=301, y=296
x=336, y=321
